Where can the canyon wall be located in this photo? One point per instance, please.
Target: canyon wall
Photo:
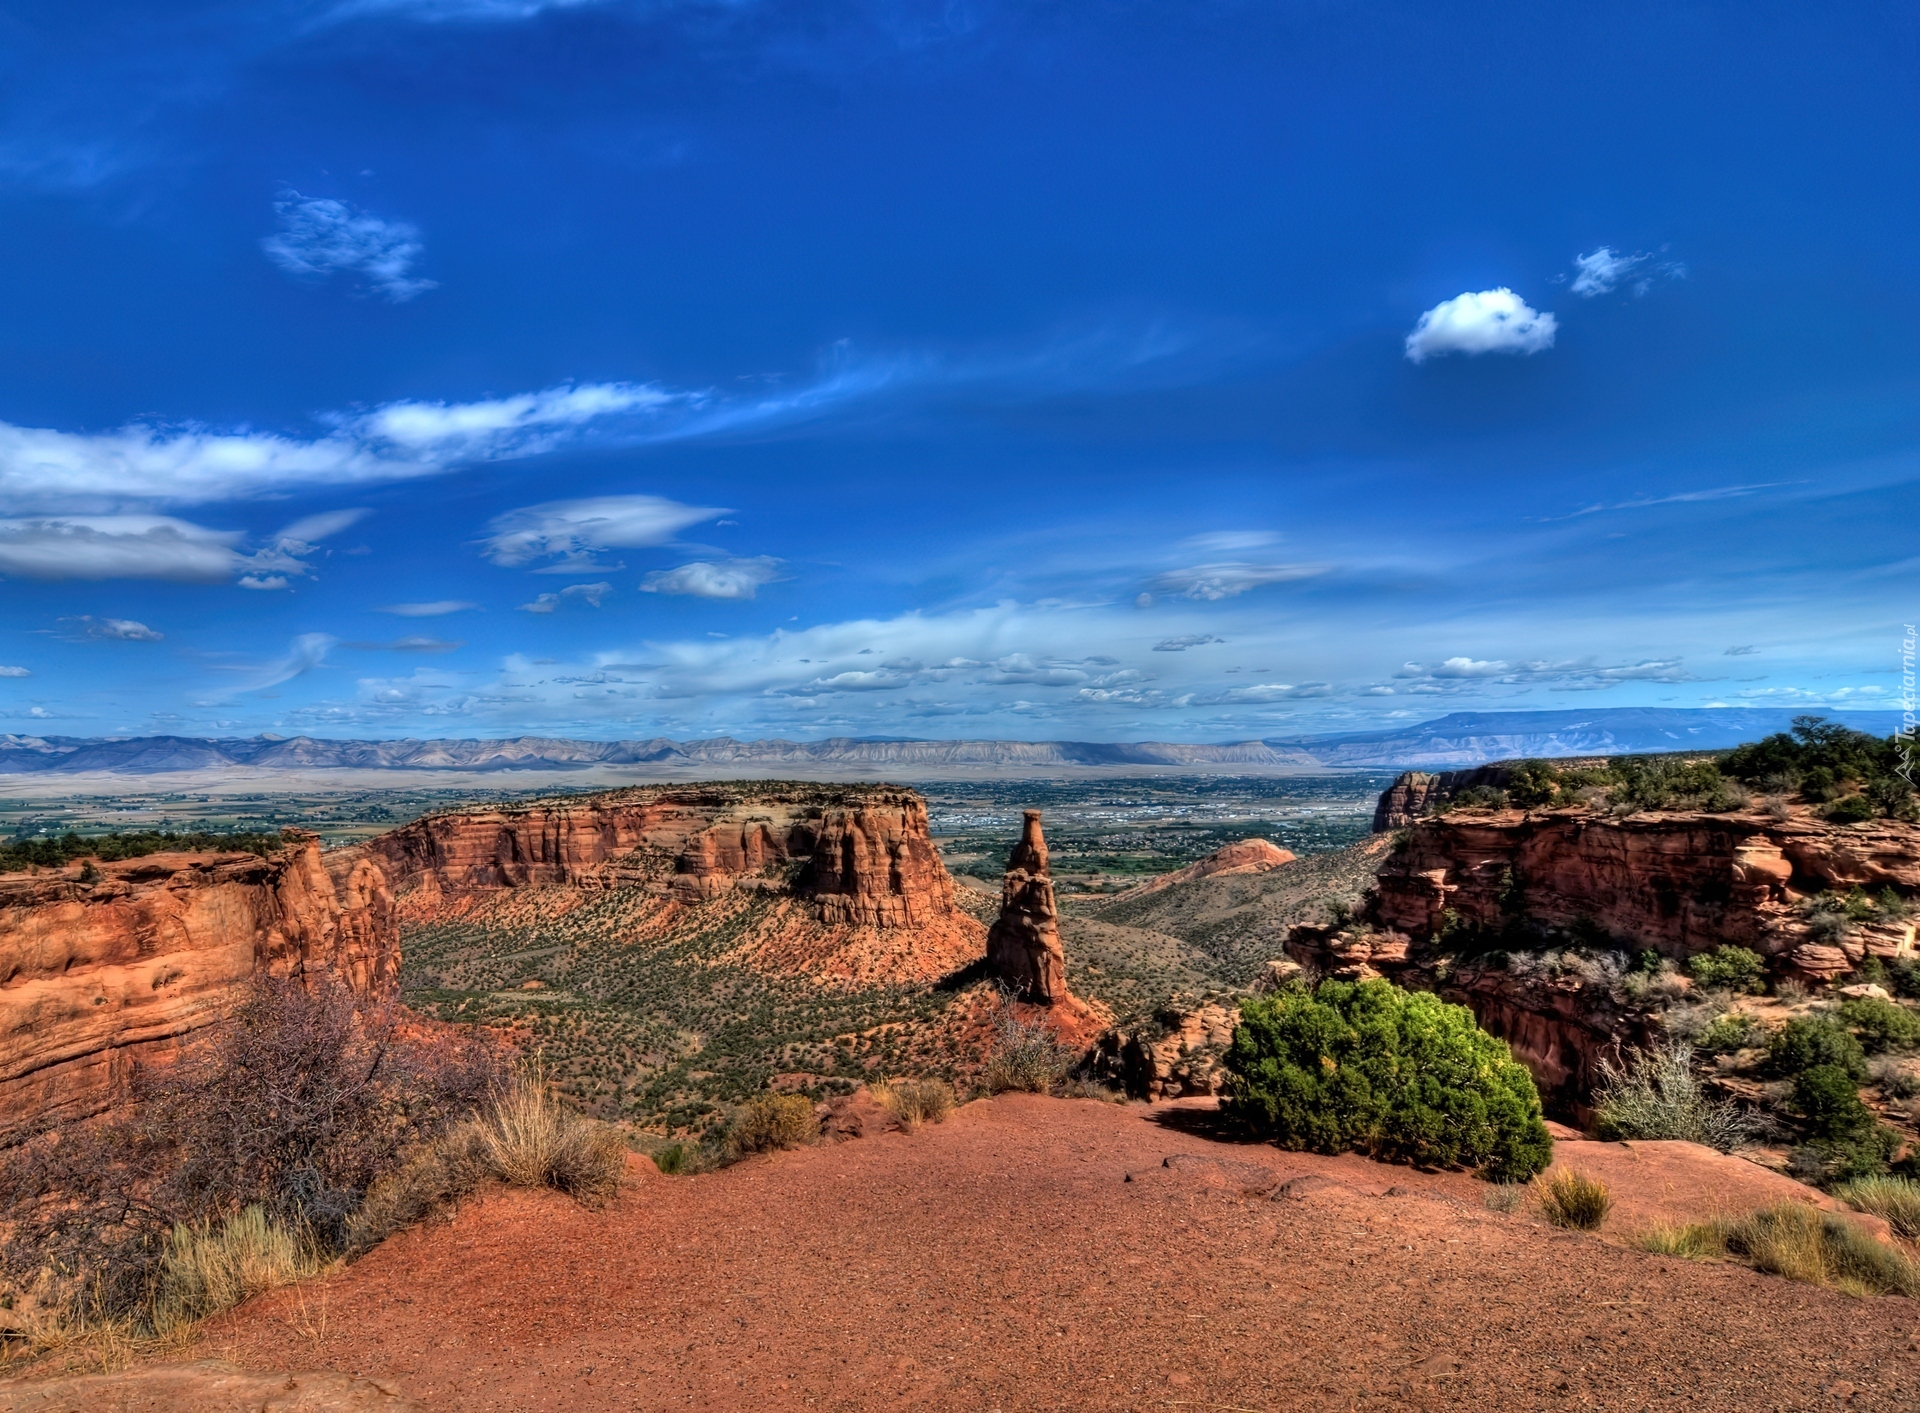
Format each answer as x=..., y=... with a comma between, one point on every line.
x=863, y=855
x=1673, y=883
x=98, y=975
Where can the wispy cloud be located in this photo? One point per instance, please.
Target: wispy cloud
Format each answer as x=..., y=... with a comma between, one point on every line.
x=1677, y=498
x=115, y=630
x=305, y=652
x=1459, y=674
x=45, y=470
x=1221, y=581
x=436, y=608
x=320, y=238
x=1490, y=321
x=724, y=579
x=571, y=533
x=592, y=595
x=1185, y=641
x=1602, y=270
x=14, y=672
x=413, y=644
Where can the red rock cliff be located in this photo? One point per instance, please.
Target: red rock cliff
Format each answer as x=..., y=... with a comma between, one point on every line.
x=94, y=976
x=1675, y=883
x=862, y=854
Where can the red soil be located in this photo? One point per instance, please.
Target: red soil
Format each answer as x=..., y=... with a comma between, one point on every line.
x=1035, y=1253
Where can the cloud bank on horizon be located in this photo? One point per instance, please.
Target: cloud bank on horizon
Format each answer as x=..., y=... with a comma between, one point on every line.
x=1152, y=394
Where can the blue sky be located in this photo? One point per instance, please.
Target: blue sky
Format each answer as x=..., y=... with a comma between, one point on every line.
x=1111, y=371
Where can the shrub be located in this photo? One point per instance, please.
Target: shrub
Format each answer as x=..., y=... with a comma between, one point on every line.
x=1822, y=1248
x=300, y=1102
x=772, y=1122
x=915, y=1101
x=678, y=1159
x=1827, y=1100
x=1895, y=1198
x=1659, y=1097
x=1880, y=1025
x=1896, y=1080
x=1574, y=1200
x=1736, y=1030
x=1399, y=1075
x=1730, y=968
x=532, y=1139
x=1027, y=1057
x=212, y=1266
x=1808, y=1041
x=1504, y=1196
x=1854, y=809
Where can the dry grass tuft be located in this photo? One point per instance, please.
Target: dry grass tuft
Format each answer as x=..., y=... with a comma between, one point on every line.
x=1696, y=1241
x=1797, y=1241
x=914, y=1101
x=213, y=1266
x=1897, y=1199
x=1574, y=1200
x=1821, y=1248
x=531, y=1139
x=769, y=1123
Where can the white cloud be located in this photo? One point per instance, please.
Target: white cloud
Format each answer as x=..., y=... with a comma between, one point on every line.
x=435, y=609
x=151, y=547
x=1266, y=692
x=123, y=630
x=593, y=595
x=1456, y=673
x=14, y=672
x=727, y=579
x=1220, y=581
x=320, y=238
x=1185, y=641
x=309, y=530
x=64, y=471
x=1231, y=541
x=304, y=653
x=1598, y=273
x=572, y=531
x=1491, y=321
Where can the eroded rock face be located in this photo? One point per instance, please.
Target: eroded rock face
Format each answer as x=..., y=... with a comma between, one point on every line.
x=863, y=855
x=1023, y=949
x=1674, y=883
x=1178, y=1056
x=95, y=977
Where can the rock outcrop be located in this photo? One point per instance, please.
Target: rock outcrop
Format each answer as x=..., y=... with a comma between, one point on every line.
x=1673, y=883
x=1177, y=1056
x=1023, y=949
x=98, y=975
x=863, y=855
x=1245, y=857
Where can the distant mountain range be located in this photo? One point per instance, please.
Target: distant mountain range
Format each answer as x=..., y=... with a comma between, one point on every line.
x=1477, y=737
x=1460, y=739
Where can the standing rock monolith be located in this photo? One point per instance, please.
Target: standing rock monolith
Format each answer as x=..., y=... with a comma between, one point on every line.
x=1023, y=949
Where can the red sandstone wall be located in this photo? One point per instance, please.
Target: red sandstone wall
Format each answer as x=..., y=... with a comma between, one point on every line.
x=96, y=976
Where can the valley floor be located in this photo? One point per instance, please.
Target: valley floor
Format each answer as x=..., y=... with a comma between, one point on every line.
x=1048, y=1254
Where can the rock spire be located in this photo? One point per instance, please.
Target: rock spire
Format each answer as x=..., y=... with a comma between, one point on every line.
x=1023, y=949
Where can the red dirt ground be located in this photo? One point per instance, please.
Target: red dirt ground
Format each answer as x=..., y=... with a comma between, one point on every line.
x=1047, y=1254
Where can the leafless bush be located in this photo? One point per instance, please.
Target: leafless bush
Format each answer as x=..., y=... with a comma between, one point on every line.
x=1027, y=1057
x=298, y=1103
x=1658, y=1096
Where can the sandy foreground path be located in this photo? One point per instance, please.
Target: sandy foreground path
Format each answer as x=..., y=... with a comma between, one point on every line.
x=1046, y=1254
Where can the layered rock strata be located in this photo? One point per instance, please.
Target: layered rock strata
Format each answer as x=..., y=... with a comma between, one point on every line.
x=1673, y=883
x=863, y=856
x=1023, y=948
x=96, y=976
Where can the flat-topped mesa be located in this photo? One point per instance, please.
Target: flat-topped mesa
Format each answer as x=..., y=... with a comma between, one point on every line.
x=120, y=967
x=863, y=854
x=1023, y=949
